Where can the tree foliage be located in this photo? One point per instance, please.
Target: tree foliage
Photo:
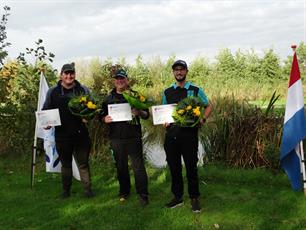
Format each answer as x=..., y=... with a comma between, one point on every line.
x=20, y=81
x=3, y=43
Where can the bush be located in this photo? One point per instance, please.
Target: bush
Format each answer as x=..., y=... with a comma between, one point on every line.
x=242, y=135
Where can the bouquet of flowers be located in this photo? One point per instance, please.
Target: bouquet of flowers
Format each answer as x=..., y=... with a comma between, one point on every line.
x=188, y=112
x=137, y=100
x=83, y=106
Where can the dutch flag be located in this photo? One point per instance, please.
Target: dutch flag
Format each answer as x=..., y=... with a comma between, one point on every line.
x=294, y=130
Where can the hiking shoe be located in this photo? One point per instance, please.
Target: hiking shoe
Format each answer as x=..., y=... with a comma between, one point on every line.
x=175, y=202
x=144, y=200
x=123, y=197
x=89, y=193
x=65, y=194
x=195, y=205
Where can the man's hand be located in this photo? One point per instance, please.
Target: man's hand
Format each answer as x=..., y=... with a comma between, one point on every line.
x=47, y=127
x=107, y=119
x=136, y=112
x=140, y=113
x=166, y=124
x=203, y=121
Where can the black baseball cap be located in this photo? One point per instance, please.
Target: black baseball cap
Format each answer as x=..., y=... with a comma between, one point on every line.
x=121, y=73
x=68, y=67
x=180, y=63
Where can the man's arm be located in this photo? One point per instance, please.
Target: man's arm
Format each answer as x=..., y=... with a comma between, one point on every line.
x=207, y=112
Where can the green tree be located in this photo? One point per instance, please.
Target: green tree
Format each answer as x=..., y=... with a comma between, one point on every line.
x=3, y=43
x=253, y=70
x=20, y=102
x=301, y=55
x=225, y=65
x=240, y=64
x=199, y=70
x=270, y=66
x=140, y=73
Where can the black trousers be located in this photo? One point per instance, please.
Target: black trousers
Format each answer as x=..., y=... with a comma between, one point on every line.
x=80, y=149
x=175, y=148
x=133, y=148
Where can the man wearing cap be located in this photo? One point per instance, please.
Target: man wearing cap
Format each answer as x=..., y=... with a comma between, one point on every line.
x=183, y=141
x=72, y=136
x=125, y=140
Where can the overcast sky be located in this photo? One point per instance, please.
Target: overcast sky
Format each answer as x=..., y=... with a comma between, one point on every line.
x=187, y=28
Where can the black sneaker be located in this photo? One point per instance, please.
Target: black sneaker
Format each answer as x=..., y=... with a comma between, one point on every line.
x=175, y=202
x=89, y=193
x=195, y=205
x=65, y=194
x=123, y=197
x=144, y=200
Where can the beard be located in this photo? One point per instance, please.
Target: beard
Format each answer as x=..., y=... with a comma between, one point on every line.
x=180, y=79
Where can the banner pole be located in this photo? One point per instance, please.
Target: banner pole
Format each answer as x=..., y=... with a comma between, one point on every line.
x=303, y=165
x=34, y=149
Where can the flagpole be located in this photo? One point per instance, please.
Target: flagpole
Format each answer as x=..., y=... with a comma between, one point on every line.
x=34, y=148
x=301, y=151
x=303, y=165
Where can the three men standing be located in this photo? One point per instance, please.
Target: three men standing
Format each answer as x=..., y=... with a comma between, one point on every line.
x=126, y=138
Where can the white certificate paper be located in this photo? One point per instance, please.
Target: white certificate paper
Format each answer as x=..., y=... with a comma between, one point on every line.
x=120, y=112
x=48, y=117
x=162, y=114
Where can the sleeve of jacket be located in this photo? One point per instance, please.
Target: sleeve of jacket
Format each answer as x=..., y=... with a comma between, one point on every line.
x=86, y=90
x=104, y=109
x=48, y=102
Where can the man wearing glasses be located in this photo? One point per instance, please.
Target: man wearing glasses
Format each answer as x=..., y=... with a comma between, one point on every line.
x=183, y=141
x=72, y=136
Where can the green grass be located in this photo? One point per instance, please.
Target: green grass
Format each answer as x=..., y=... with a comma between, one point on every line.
x=231, y=199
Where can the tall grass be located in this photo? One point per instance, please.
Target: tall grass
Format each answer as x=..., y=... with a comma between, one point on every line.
x=242, y=135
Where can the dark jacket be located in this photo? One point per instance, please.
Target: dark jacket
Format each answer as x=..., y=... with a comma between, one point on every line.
x=174, y=95
x=58, y=97
x=121, y=129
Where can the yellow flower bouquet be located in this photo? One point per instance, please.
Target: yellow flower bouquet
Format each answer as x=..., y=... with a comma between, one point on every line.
x=188, y=112
x=137, y=100
x=83, y=106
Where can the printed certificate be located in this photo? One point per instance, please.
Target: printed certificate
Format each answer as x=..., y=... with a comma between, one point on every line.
x=162, y=114
x=50, y=117
x=120, y=112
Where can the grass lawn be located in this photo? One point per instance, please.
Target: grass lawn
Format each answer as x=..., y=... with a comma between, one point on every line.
x=231, y=199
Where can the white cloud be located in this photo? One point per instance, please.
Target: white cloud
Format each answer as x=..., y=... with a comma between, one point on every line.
x=74, y=29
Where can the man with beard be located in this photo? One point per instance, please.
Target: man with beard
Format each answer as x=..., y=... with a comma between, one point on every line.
x=183, y=141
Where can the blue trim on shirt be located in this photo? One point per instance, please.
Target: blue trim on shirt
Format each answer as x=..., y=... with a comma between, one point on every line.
x=190, y=93
x=164, y=101
x=202, y=95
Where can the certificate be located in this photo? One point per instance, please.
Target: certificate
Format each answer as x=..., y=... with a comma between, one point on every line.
x=48, y=117
x=120, y=112
x=163, y=114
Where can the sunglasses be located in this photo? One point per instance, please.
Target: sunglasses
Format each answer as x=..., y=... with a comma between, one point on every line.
x=69, y=72
x=179, y=69
x=120, y=78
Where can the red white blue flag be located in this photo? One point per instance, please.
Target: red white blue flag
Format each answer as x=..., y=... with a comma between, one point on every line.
x=294, y=130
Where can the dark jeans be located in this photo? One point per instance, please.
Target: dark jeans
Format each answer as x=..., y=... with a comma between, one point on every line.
x=175, y=148
x=80, y=149
x=133, y=148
